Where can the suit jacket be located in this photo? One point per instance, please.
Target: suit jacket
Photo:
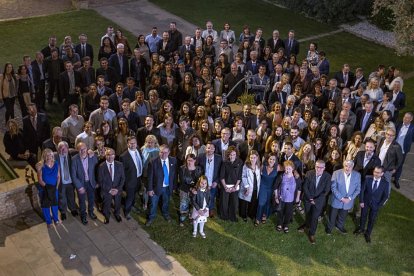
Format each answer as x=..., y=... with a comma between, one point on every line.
x=217, y=144
x=374, y=199
x=318, y=194
x=165, y=52
x=130, y=169
x=339, y=189
x=34, y=138
x=294, y=49
x=142, y=133
x=87, y=77
x=114, y=63
x=88, y=52
x=369, y=168
x=104, y=178
x=356, y=82
x=78, y=173
x=139, y=70
x=36, y=72
x=113, y=102
x=394, y=157
x=202, y=162
x=249, y=67
x=57, y=159
x=249, y=122
x=110, y=75
x=408, y=139
x=346, y=132
x=276, y=97
x=399, y=104
x=339, y=76
x=64, y=84
x=360, y=119
x=324, y=67
x=275, y=46
x=183, y=49
x=244, y=149
x=156, y=175
x=48, y=144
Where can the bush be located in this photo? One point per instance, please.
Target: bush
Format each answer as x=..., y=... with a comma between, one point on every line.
x=384, y=19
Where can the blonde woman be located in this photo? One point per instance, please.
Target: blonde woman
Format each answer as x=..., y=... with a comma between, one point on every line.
x=49, y=178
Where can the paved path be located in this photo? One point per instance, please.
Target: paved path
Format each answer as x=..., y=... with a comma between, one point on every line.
x=139, y=17
x=28, y=247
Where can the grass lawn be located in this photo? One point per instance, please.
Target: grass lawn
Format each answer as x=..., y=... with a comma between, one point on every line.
x=244, y=249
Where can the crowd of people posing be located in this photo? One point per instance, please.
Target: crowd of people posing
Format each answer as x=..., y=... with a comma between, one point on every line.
x=156, y=119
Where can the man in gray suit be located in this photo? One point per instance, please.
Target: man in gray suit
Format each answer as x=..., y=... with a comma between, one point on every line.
x=346, y=185
x=83, y=177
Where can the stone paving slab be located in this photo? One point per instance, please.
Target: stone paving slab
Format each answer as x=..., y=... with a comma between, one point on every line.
x=113, y=249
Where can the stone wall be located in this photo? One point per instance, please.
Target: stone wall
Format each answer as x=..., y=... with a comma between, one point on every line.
x=18, y=200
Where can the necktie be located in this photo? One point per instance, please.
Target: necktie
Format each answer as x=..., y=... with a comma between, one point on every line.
x=110, y=171
x=121, y=65
x=364, y=121
x=345, y=79
x=375, y=186
x=290, y=44
x=139, y=165
x=317, y=181
x=166, y=176
x=209, y=161
x=65, y=168
x=83, y=51
x=34, y=123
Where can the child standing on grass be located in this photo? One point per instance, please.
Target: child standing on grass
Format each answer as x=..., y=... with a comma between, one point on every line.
x=200, y=202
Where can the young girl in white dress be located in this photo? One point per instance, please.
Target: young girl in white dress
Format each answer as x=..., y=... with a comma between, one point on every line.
x=200, y=201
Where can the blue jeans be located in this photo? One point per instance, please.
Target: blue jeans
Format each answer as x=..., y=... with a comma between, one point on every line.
x=165, y=197
x=213, y=194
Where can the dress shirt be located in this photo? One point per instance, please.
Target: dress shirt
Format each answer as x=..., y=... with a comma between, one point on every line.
x=137, y=161
x=85, y=165
x=401, y=136
x=367, y=158
x=64, y=169
x=111, y=169
x=383, y=151
x=347, y=181
x=209, y=169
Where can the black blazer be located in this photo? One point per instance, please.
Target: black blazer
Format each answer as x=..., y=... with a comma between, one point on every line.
x=393, y=158
x=168, y=49
x=110, y=76
x=48, y=144
x=113, y=102
x=34, y=139
x=317, y=194
x=217, y=144
x=339, y=76
x=275, y=47
x=360, y=118
x=129, y=169
x=183, y=49
x=64, y=84
x=369, y=168
x=114, y=63
x=202, y=162
x=142, y=133
x=104, y=178
x=156, y=175
x=89, y=51
x=87, y=77
x=374, y=199
x=36, y=72
x=294, y=49
x=139, y=70
x=244, y=149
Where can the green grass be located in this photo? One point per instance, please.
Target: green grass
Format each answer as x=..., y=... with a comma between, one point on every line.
x=244, y=249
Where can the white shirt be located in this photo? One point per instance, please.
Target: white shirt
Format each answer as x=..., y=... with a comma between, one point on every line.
x=347, y=181
x=111, y=169
x=401, y=135
x=378, y=182
x=224, y=147
x=209, y=170
x=167, y=163
x=383, y=151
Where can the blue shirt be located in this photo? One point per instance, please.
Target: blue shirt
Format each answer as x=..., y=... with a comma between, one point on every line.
x=152, y=42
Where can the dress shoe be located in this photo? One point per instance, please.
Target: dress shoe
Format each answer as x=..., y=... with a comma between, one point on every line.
x=84, y=220
x=397, y=184
x=328, y=232
x=148, y=223
x=128, y=217
x=92, y=215
x=367, y=238
x=312, y=239
x=212, y=214
x=167, y=218
x=301, y=228
x=358, y=231
x=341, y=230
x=74, y=213
x=63, y=217
x=106, y=220
x=118, y=218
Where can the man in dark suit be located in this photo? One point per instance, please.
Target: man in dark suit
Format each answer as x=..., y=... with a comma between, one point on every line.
x=230, y=80
x=253, y=64
x=53, y=142
x=316, y=186
x=139, y=69
x=405, y=138
x=69, y=85
x=119, y=61
x=36, y=129
x=365, y=117
x=39, y=80
x=66, y=187
x=111, y=178
x=87, y=73
x=249, y=119
x=83, y=169
x=84, y=49
x=374, y=194
x=288, y=154
x=217, y=107
x=358, y=79
x=115, y=100
x=344, y=77
x=147, y=129
x=275, y=42
x=366, y=161
x=54, y=67
x=398, y=99
x=110, y=76
x=162, y=175
x=250, y=144
x=390, y=154
x=210, y=162
x=276, y=95
x=345, y=128
x=187, y=47
x=165, y=46
x=291, y=44
x=131, y=159
x=222, y=144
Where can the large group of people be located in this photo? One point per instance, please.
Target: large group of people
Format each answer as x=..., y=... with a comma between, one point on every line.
x=148, y=121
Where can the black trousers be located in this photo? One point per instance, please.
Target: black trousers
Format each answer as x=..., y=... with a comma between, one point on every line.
x=371, y=214
x=90, y=194
x=312, y=213
x=336, y=218
x=40, y=95
x=285, y=214
x=131, y=191
x=54, y=88
x=9, y=104
x=107, y=201
x=248, y=209
x=66, y=198
x=228, y=205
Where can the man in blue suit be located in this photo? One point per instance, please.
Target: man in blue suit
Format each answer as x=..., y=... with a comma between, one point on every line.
x=83, y=176
x=405, y=137
x=374, y=194
x=346, y=185
x=162, y=172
